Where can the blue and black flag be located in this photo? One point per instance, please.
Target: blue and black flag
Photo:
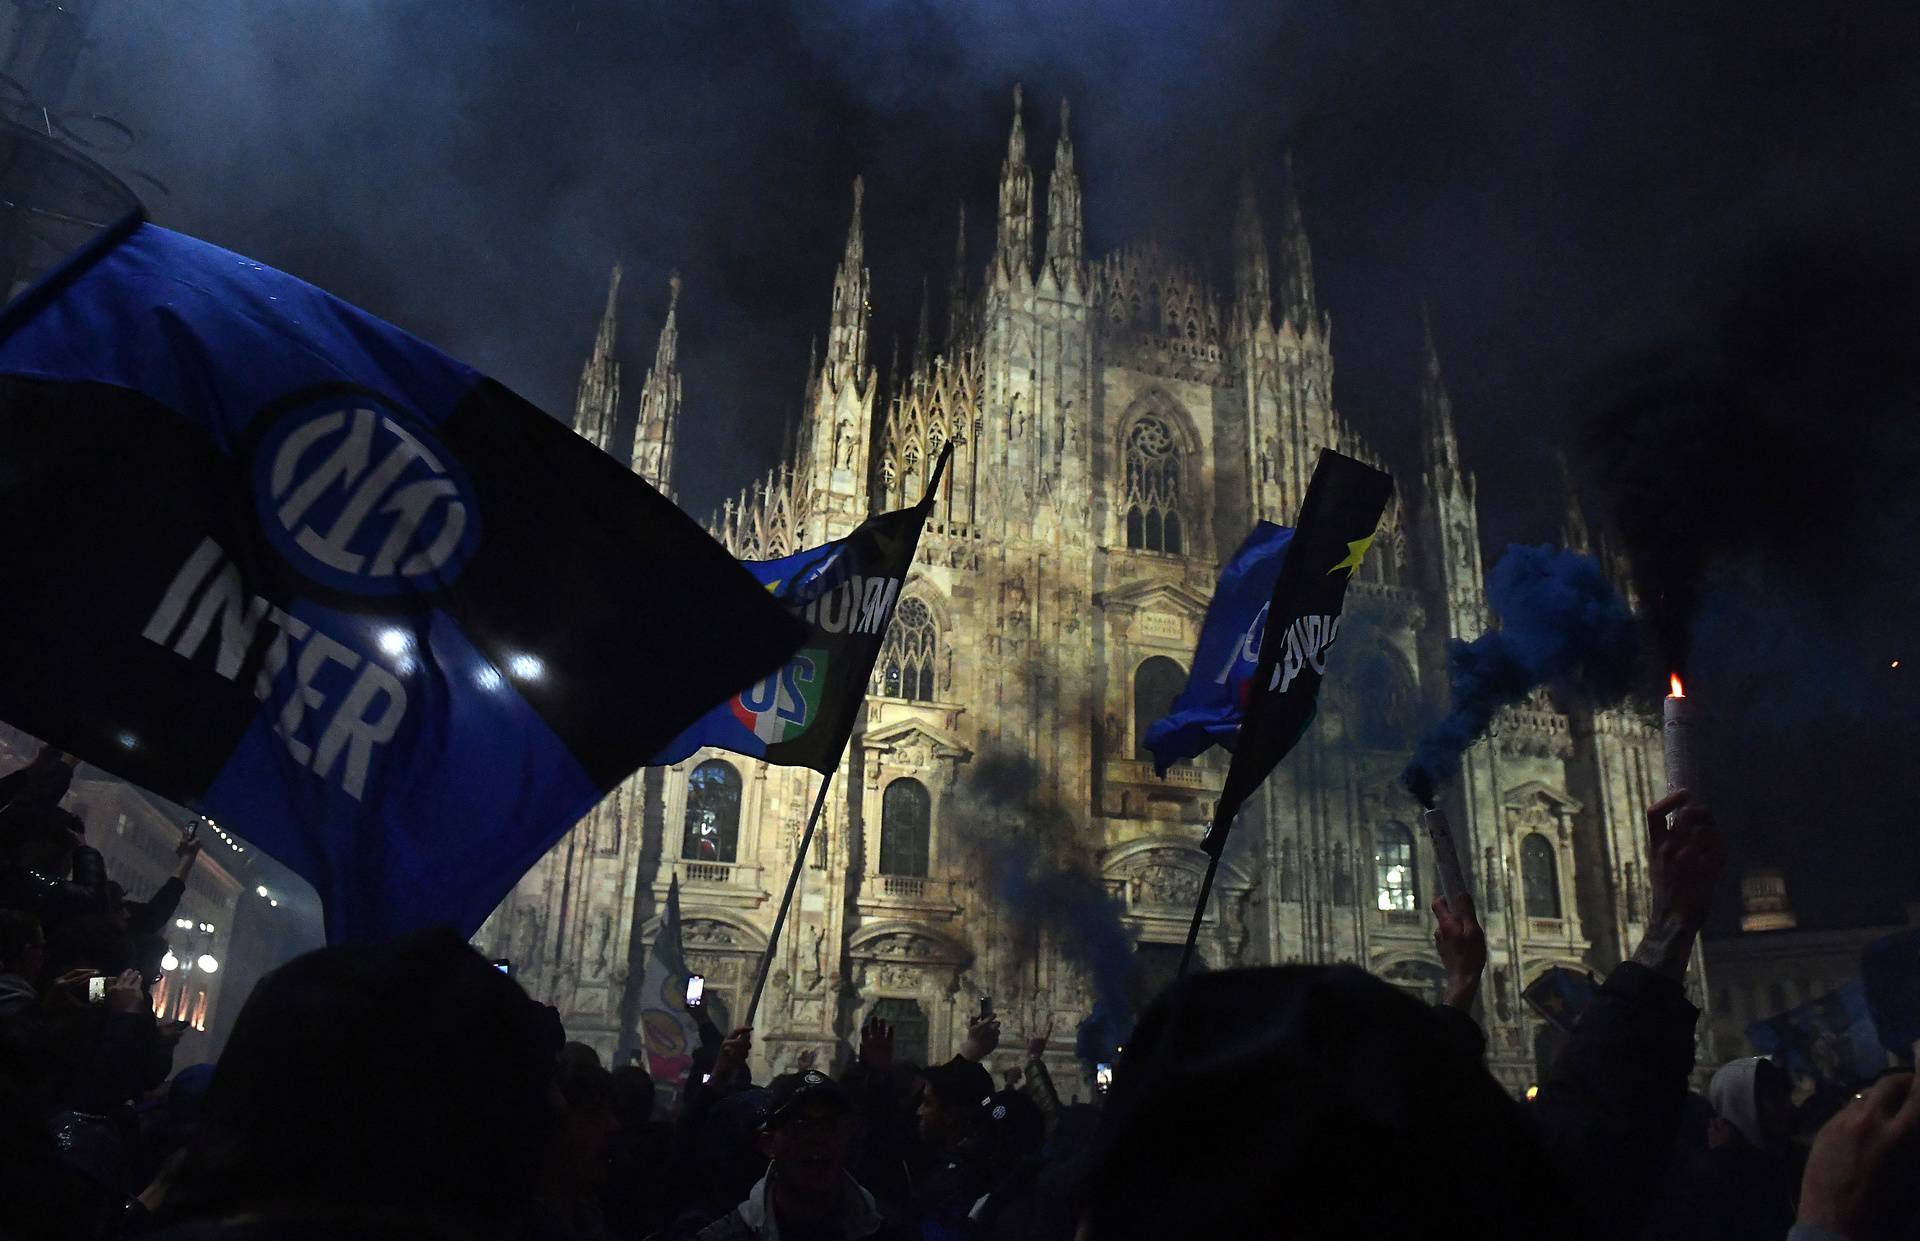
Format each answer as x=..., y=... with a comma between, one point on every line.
x=844, y=592
x=1338, y=518
x=276, y=559
x=1211, y=709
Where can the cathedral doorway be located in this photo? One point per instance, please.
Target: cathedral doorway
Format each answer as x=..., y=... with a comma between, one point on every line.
x=910, y=1031
x=1155, y=967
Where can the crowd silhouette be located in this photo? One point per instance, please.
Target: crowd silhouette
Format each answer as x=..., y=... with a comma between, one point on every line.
x=411, y=1090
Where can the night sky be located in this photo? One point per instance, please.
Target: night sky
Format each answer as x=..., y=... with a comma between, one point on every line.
x=1595, y=201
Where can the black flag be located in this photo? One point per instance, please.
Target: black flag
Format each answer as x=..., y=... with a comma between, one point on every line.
x=1336, y=527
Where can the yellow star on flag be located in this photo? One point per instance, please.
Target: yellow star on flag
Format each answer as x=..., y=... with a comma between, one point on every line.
x=1356, y=552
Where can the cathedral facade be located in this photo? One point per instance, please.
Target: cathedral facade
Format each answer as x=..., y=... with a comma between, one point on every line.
x=1117, y=426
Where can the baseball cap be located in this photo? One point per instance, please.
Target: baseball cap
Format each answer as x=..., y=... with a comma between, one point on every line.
x=959, y=1083
x=790, y=1090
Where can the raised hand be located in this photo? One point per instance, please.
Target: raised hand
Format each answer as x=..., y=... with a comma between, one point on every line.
x=126, y=994
x=1037, y=1043
x=1683, y=861
x=734, y=1050
x=1462, y=946
x=1866, y=1154
x=72, y=985
x=983, y=1035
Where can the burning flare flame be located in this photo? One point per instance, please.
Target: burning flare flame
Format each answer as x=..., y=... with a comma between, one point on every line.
x=1673, y=679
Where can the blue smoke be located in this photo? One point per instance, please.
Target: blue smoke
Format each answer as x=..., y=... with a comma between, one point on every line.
x=1045, y=881
x=1561, y=621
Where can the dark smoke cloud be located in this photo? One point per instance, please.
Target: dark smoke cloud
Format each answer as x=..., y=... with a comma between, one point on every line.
x=1032, y=854
x=1564, y=183
x=1561, y=621
x=1778, y=440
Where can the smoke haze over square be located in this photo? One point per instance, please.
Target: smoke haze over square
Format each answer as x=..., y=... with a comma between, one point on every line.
x=1564, y=186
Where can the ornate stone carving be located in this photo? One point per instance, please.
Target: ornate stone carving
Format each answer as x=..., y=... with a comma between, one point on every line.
x=708, y=933
x=1159, y=883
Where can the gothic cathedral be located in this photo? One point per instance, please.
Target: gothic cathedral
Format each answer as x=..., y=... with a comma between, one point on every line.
x=1117, y=428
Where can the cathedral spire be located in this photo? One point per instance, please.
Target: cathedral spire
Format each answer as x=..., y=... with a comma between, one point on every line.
x=599, y=394
x=1575, y=534
x=1252, y=275
x=923, y=335
x=846, y=361
x=1452, y=507
x=1437, y=433
x=1063, y=211
x=659, y=414
x=1298, y=305
x=1013, y=253
x=957, y=298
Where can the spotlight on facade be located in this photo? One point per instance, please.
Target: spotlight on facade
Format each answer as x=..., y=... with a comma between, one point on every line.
x=261, y=890
x=169, y=962
x=207, y=963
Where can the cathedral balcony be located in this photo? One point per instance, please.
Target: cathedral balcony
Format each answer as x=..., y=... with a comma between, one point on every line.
x=1130, y=790
x=717, y=883
x=1179, y=776
x=907, y=896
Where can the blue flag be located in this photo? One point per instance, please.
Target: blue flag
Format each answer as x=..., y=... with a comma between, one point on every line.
x=1210, y=710
x=1830, y=1039
x=844, y=592
x=1560, y=994
x=276, y=559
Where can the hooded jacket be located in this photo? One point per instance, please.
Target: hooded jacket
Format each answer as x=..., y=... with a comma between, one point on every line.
x=756, y=1220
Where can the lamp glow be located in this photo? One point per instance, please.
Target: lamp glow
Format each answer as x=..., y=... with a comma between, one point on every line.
x=169, y=962
x=207, y=963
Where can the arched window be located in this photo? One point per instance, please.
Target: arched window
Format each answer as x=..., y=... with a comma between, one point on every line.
x=713, y=813
x=905, y=810
x=1377, y=688
x=1156, y=683
x=909, y=1029
x=1539, y=877
x=1393, y=882
x=1154, y=498
x=905, y=666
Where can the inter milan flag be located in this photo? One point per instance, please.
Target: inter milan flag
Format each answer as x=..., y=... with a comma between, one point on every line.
x=667, y=1030
x=1336, y=527
x=276, y=559
x=1210, y=710
x=1560, y=994
x=1830, y=1039
x=801, y=714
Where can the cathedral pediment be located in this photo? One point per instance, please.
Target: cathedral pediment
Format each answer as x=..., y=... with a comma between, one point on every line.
x=1175, y=597
x=1535, y=790
x=1162, y=872
x=916, y=740
x=906, y=942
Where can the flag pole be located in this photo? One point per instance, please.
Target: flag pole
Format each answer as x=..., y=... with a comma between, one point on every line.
x=1199, y=914
x=786, y=901
x=1206, y=892
x=820, y=799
